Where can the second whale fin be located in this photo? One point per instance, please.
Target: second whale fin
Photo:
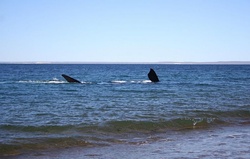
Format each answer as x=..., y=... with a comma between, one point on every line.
x=70, y=79
x=153, y=76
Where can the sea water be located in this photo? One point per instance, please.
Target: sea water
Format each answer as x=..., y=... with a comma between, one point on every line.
x=116, y=103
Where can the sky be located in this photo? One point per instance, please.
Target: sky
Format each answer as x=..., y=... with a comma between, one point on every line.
x=124, y=30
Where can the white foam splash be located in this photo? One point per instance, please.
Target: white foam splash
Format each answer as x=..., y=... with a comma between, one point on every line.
x=101, y=83
x=83, y=82
x=132, y=81
x=119, y=81
x=57, y=81
x=146, y=81
x=50, y=81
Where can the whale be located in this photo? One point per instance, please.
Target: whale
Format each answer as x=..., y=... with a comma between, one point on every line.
x=70, y=79
x=153, y=76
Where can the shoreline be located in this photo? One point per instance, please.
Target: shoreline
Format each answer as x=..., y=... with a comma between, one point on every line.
x=220, y=142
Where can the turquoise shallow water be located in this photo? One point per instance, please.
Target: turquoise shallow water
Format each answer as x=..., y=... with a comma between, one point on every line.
x=40, y=110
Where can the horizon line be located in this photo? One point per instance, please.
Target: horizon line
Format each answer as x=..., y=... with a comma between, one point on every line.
x=102, y=62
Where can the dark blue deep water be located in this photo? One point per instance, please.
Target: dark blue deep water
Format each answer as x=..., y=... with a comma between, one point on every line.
x=40, y=109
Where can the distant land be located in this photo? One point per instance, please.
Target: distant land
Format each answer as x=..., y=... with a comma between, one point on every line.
x=162, y=62
x=217, y=62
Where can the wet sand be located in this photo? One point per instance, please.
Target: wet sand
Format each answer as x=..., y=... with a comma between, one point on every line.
x=224, y=142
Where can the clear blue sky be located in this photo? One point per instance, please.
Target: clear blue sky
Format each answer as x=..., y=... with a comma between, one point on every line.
x=124, y=30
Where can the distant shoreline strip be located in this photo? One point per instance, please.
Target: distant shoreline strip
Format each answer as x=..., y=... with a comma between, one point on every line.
x=174, y=63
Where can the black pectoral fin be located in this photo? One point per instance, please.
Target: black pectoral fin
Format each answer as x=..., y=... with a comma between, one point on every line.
x=70, y=79
x=153, y=76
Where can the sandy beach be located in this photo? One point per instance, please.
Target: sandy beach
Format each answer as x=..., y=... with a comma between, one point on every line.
x=223, y=142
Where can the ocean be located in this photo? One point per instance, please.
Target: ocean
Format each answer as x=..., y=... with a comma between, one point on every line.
x=116, y=104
